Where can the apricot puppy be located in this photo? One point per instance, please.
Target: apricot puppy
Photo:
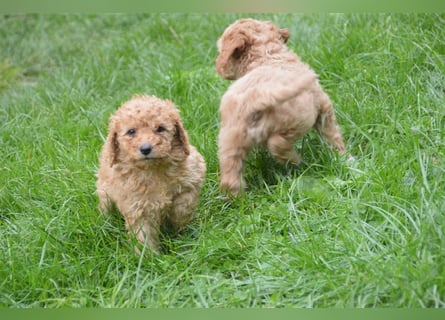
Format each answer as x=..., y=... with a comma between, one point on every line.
x=148, y=169
x=275, y=100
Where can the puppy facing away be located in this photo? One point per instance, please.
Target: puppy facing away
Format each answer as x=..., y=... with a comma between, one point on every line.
x=275, y=100
x=148, y=170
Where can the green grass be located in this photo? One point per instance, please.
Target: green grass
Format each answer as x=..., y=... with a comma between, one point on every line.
x=369, y=233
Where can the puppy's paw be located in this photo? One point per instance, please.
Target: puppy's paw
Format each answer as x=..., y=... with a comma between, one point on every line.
x=294, y=159
x=233, y=187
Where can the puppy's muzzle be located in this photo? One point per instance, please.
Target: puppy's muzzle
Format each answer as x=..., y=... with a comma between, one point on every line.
x=146, y=149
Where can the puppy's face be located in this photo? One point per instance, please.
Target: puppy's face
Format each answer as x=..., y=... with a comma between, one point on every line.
x=244, y=40
x=146, y=131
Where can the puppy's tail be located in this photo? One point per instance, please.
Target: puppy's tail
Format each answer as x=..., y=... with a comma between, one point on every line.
x=278, y=88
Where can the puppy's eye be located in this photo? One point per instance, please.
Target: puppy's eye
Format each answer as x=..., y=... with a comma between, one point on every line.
x=160, y=129
x=131, y=132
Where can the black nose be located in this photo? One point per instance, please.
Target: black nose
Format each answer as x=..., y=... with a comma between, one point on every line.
x=145, y=149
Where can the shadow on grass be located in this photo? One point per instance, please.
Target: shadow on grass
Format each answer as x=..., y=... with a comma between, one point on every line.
x=262, y=169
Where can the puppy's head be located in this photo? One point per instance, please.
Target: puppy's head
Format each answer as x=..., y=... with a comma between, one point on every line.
x=147, y=130
x=245, y=41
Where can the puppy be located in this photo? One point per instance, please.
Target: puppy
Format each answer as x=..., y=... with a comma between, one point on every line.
x=275, y=100
x=148, y=169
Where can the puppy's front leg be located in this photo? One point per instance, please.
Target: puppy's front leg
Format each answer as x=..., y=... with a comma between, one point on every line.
x=105, y=203
x=146, y=229
x=183, y=207
x=148, y=234
x=282, y=149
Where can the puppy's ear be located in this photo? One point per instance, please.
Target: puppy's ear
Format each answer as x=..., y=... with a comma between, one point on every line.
x=114, y=149
x=232, y=48
x=112, y=142
x=284, y=35
x=180, y=139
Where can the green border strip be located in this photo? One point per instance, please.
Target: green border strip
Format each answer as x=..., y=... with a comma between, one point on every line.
x=223, y=314
x=133, y=6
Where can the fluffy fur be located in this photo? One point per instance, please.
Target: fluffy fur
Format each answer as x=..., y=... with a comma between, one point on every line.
x=148, y=169
x=275, y=100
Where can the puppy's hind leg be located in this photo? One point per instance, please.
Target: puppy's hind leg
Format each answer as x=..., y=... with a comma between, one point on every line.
x=327, y=126
x=232, y=151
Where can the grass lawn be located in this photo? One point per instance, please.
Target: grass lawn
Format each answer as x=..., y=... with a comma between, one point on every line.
x=369, y=233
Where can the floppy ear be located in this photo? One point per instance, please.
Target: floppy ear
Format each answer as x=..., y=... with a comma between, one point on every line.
x=114, y=149
x=232, y=49
x=180, y=139
x=112, y=143
x=284, y=34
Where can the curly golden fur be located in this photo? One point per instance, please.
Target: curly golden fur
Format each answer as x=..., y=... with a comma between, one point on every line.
x=275, y=100
x=148, y=169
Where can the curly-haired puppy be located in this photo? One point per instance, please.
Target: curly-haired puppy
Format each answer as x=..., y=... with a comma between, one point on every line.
x=148, y=169
x=275, y=100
